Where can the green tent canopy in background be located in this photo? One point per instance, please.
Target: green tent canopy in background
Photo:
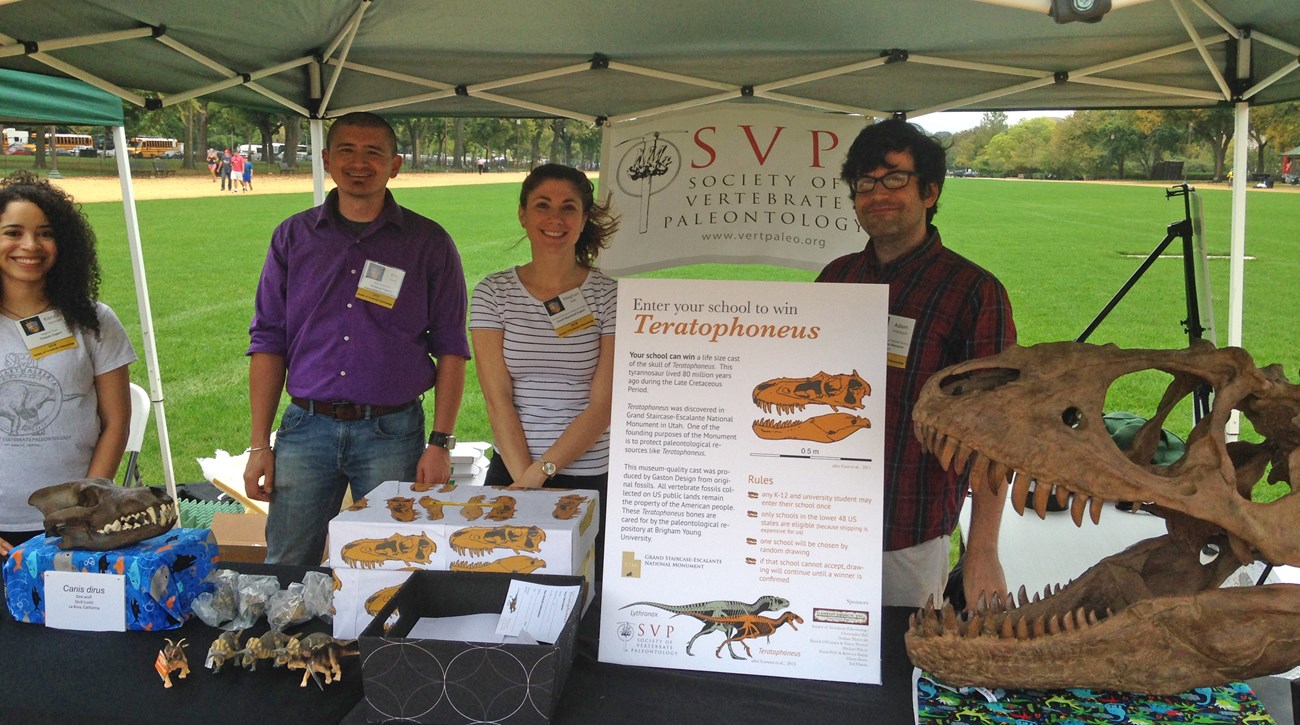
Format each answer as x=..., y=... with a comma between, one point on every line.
x=41, y=99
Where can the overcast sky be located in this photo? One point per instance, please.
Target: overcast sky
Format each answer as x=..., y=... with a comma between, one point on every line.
x=954, y=121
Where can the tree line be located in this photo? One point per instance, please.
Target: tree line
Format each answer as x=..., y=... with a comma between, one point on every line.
x=1105, y=144
x=428, y=143
x=1119, y=144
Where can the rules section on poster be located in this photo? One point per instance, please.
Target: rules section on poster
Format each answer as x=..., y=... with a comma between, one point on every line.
x=744, y=527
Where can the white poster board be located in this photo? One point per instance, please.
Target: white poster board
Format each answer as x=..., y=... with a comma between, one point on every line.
x=730, y=183
x=746, y=479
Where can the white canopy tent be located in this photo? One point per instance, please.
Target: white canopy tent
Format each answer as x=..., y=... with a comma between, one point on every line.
x=607, y=63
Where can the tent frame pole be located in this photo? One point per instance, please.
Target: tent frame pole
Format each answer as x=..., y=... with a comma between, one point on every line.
x=316, y=127
x=146, y=311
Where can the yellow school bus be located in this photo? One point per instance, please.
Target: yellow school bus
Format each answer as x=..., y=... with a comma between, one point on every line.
x=149, y=147
x=65, y=141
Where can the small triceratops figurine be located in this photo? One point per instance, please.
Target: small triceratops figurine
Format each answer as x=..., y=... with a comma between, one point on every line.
x=94, y=514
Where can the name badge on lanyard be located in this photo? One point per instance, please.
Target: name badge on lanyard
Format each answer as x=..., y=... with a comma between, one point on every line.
x=569, y=313
x=900, y=341
x=380, y=284
x=46, y=334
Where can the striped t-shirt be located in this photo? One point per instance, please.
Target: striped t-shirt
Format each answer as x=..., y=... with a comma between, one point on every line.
x=551, y=374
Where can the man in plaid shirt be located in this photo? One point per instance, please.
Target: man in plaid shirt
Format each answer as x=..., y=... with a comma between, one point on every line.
x=943, y=309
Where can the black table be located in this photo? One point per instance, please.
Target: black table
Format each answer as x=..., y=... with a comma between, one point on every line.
x=57, y=676
x=598, y=693
x=62, y=676
x=52, y=675
x=604, y=693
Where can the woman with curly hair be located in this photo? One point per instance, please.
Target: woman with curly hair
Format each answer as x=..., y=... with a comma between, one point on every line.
x=65, y=404
x=543, y=336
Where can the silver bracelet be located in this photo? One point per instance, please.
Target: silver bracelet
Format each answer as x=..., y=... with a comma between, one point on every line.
x=259, y=448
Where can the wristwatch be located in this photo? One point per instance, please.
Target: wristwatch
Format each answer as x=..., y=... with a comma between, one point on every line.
x=548, y=468
x=442, y=440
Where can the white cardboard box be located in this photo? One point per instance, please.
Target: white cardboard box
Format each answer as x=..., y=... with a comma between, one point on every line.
x=468, y=464
x=359, y=595
x=377, y=542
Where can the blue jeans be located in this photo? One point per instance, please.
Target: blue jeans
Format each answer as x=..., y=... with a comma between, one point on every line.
x=317, y=457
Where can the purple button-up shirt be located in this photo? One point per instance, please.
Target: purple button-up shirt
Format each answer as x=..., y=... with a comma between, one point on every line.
x=338, y=347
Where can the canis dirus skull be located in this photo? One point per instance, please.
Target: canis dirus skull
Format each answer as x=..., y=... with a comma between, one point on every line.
x=93, y=513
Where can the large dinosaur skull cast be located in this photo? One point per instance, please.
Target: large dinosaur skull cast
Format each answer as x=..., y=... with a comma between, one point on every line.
x=1152, y=618
x=95, y=514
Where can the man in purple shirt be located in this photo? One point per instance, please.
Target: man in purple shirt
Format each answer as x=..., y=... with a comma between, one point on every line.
x=360, y=311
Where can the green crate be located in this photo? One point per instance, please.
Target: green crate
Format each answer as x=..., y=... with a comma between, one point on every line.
x=198, y=514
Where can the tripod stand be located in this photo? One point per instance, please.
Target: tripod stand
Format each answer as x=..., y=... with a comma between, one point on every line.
x=1182, y=229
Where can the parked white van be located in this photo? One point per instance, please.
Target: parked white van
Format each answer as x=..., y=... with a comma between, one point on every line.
x=254, y=151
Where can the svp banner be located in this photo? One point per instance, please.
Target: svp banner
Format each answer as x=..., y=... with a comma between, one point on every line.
x=729, y=183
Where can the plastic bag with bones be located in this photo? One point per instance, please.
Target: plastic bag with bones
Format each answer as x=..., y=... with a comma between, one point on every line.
x=1152, y=618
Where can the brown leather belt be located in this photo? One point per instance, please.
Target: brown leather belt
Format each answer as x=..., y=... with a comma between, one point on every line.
x=348, y=411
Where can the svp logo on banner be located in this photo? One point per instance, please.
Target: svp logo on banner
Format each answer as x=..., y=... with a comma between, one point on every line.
x=729, y=183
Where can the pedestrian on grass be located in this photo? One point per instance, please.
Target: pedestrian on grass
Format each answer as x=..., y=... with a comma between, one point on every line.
x=225, y=170
x=236, y=172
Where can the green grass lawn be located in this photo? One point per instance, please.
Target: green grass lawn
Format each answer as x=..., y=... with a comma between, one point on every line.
x=1059, y=247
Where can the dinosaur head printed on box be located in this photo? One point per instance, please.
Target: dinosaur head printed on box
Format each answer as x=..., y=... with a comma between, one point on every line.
x=416, y=549
x=1151, y=618
x=94, y=514
x=483, y=540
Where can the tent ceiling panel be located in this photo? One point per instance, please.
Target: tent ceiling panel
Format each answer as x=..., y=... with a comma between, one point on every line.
x=478, y=43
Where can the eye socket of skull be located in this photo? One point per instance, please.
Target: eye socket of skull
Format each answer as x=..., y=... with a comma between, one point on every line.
x=851, y=393
x=88, y=496
x=1209, y=553
x=979, y=379
x=1072, y=417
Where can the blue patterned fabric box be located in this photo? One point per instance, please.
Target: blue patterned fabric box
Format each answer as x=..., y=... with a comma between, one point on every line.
x=163, y=575
x=939, y=704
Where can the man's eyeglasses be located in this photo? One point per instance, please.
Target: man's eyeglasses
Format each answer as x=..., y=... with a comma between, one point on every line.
x=892, y=180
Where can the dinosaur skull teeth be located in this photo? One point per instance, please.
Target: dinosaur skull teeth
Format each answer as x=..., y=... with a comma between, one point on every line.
x=1000, y=620
x=780, y=409
x=989, y=474
x=778, y=424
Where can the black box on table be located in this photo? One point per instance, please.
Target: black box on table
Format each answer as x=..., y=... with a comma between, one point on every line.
x=443, y=682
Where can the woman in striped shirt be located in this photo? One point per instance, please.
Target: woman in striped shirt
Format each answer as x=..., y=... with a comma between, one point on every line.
x=543, y=336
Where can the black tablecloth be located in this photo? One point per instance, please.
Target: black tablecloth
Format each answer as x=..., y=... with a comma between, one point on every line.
x=605, y=694
x=55, y=676
x=60, y=676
